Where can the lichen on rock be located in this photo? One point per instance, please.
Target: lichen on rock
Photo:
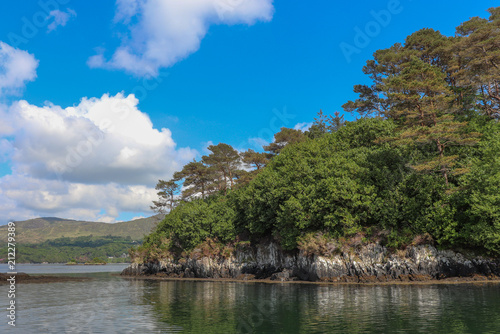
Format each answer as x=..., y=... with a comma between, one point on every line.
x=369, y=263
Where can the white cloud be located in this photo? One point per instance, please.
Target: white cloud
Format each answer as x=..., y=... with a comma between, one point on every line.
x=100, y=140
x=60, y=18
x=163, y=32
x=16, y=68
x=303, y=126
x=6, y=123
x=102, y=154
x=24, y=197
x=258, y=142
x=6, y=150
x=205, y=146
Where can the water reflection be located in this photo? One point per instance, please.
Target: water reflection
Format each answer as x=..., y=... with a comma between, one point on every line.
x=215, y=307
x=114, y=305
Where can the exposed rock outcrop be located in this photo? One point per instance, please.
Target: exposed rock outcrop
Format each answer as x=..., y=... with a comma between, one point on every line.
x=370, y=263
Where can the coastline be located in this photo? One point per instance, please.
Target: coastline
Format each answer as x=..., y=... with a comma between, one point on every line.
x=369, y=264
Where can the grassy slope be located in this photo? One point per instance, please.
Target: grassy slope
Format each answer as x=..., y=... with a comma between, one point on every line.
x=42, y=229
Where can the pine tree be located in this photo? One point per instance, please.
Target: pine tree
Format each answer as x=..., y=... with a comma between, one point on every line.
x=411, y=86
x=325, y=124
x=254, y=159
x=283, y=138
x=198, y=179
x=422, y=103
x=167, y=196
x=335, y=122
x=477, y=63
x=224, y=160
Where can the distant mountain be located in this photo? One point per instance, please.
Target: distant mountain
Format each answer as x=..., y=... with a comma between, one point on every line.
x=41, y=229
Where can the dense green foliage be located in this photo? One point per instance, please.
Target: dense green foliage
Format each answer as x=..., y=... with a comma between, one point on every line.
x=427, y=167
x=81, y=250
x=343, y=184
x=193, y=222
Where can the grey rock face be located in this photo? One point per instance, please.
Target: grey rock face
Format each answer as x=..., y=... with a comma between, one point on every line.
x=370, y=263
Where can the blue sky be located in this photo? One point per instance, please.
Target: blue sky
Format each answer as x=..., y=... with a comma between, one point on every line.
x=200, y=71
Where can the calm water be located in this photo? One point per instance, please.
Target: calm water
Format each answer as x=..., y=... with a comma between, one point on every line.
x=110, y=304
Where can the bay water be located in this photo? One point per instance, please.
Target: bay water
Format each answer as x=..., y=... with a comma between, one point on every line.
x=108, y=303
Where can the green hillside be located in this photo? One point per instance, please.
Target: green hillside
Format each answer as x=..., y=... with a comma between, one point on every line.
x=42, y=229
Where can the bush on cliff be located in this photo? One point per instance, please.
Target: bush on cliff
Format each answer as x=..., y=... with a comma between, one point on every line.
x=191, y=223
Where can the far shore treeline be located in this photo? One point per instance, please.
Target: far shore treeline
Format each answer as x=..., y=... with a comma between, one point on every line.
x=84, y=249
x=420, y=165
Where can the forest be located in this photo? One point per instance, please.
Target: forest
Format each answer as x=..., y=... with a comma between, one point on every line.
x=111, y=249
x=420, y=164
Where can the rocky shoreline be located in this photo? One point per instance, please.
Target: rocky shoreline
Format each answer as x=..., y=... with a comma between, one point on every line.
x=371, y=263
x=25, y=278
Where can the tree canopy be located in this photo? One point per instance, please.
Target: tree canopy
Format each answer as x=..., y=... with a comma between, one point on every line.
x=423, y=160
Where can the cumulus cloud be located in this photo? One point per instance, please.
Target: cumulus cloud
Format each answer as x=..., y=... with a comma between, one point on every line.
x=103, y=153
x=59, y=18
x=100, y=140
x=163, y=32
x=16, y=68
x=6, y=150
